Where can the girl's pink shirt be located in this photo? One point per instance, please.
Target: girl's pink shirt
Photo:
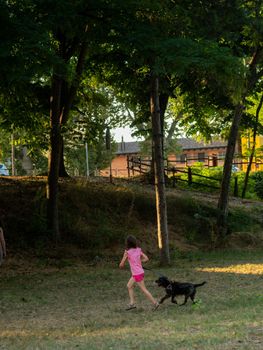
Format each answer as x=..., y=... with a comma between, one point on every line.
x=134, y=258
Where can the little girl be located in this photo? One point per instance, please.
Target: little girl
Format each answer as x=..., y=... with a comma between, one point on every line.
x=135, y=257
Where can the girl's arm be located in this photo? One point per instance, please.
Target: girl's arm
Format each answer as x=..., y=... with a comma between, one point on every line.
x=144, y=257
x=124, y=258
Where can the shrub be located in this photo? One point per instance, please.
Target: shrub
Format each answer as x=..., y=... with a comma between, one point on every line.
x=259, y=189
x=258, y=179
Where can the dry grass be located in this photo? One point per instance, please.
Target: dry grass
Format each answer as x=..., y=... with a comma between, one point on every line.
x=81, y=307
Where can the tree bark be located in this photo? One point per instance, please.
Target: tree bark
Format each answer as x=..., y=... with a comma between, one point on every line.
x=163, y=100
x=62, y=168
x=161, y=208
x=253, y=147
x=54, y=157
x=225, y=185
x=173, y=127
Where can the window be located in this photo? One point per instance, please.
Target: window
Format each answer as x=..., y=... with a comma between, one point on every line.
x=201, y=157
x=183, y=158
x=214, y=159
x=221, y=155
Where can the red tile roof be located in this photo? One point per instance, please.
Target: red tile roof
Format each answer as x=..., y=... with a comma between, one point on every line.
x=185, y=143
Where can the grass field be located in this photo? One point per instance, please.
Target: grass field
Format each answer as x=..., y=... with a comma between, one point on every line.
x=83, y=307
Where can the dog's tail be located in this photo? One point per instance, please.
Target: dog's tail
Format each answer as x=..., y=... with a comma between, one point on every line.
x=200, y=284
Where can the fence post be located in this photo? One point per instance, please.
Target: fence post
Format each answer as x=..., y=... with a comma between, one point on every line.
x=189, y=176
x=132, y=167
x=128, y=166
x=235, y=187
x=140, y=165
x=166, y=169
x=174, y=181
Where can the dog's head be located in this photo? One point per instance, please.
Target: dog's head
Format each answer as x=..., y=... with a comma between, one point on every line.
x=162, y=281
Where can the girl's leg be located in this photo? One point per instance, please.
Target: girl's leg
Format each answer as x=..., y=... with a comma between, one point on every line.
x=146, y=292
x=130, y=286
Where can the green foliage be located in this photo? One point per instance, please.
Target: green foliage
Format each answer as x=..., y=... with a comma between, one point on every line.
x=250, y=193
x=240, y=221
x=171, y=39
x=5, y=146
x=201, y=175
x=36, y=149
x=98, y=157
x=258, y=180
x=172, y=42
x=215, y=173
x=257, y=176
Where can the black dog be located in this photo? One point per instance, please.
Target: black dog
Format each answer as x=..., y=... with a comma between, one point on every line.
x=177, y=288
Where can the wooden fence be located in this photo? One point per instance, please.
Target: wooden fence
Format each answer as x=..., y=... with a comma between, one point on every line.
x=137, y=165
x=211, y=161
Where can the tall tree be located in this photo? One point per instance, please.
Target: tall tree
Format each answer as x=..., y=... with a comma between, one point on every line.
x=161, y=207
x=250, y=47
x=169, y=43
x=49, y=43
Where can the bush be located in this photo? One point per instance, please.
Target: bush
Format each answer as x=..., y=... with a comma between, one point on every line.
x=258, y=179
x=204, y=184
x=259, y=189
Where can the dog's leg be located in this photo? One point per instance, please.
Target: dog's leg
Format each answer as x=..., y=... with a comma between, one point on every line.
x=192, y=296
x=163, y=298
x=185, y=299
x=173, y=300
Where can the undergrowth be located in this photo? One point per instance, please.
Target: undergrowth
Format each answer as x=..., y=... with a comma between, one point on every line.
x=97, y=217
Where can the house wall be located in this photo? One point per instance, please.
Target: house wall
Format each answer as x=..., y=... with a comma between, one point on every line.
x=247, y=144
x=119, y=163
x=209, y=157
x=213, y=156
x=118, y=167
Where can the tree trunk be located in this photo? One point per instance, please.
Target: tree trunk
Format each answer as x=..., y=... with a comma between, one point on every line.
x=62, y=96
x=171, y=131
x=62, y=168
x=253, y=148
x=239, y=149
x=69, y=93
x=163, y=100
x=161, y=209
x=54, y=158
x=225, y=185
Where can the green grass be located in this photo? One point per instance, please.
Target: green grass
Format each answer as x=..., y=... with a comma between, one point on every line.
x=82, y=307
x=58, y=300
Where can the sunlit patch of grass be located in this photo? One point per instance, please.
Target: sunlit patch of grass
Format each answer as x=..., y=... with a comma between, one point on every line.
x=246, y=269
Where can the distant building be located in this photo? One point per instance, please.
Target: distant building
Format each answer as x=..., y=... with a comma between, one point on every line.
x=211, y=154
x=246, y=146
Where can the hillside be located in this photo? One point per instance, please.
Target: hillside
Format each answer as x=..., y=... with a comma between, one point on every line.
x=95, y=218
